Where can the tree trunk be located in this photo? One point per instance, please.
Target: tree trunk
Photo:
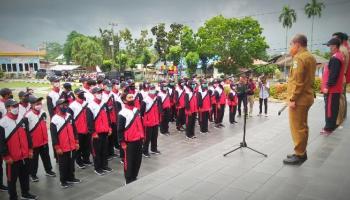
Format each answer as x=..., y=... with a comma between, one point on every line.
x=312, y=32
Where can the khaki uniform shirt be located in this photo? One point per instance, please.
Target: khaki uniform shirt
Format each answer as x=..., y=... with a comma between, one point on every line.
x=301, y=78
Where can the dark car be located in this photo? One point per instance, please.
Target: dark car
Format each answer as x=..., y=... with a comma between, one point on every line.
x=40, y=74
x=125, y=75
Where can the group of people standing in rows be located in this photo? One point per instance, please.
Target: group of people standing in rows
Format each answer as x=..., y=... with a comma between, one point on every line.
x=108, y=119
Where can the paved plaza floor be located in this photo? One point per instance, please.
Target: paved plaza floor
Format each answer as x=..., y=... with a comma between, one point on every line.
x=196, y=169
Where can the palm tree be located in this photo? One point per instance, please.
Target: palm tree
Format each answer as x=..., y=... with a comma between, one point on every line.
x=288, y=16
x=312, y=9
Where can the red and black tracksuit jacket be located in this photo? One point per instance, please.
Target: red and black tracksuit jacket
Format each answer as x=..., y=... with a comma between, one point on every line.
x=51, y=99
x=63, y=132
x=130, y=127
x=78, y=109
x=98, y=118
x=15, y=141
x=204, y=103
x=151, y=108
x=37, y=127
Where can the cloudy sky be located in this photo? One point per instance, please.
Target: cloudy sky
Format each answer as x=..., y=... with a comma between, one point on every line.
x=31, y=22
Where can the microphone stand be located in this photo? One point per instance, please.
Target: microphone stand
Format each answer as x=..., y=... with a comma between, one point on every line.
x=244, y=144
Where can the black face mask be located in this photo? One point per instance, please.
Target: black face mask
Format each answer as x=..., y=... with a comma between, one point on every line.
x=63, y=109
x=81, y=96
x=11, y=96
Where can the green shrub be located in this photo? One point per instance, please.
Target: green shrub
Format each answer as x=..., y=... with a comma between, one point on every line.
x=2, y=74
x=317, y=85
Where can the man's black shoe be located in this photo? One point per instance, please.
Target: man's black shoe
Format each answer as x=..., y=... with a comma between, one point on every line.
x=291, y=155
x=107, y=169
x=29, y=196
x=51, y=174
x=74, y=181
x=3, y=188
x=34, y=178
x=294, y=160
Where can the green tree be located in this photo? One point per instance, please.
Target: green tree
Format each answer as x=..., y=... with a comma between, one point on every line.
x=86, y=52
x=122, y=61
x=146, y=57
x=106, y=65
x=287, y=17
x=53, y=50
x=266, y=69
x=142, y=43
x=188, y=40
x=67, y=49
x=161, y=43
x=175, y=54
x=237, y=42
x=107, y=36
x=192, y=59
x=174, y=34
x=312, y=10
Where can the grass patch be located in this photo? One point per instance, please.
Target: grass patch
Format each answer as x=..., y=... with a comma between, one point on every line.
x=22, y=84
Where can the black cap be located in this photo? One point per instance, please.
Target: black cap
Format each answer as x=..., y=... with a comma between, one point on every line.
x=124, y=84
x=78, y=91
x=67, y=86
x=83, y=79
x=5, y=91
x=96, y=90
x=54, y=78
x=107, y=82
x=91, y=81
x=115, y=82
x=61, y=101
x=152, y=86
x=22, y=94
x=333, y=41
x=34, y=99
x=10, y=102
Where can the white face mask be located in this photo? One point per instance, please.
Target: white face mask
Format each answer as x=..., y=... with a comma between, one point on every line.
x=56, y=84
x=152, y=91
x=14, y=111
x=98, y=96
x=38, y=107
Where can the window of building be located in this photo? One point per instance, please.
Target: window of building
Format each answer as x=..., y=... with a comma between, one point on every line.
x=21, y=67
x=14, y=67
x=3, y=67
x=9, y=69
x=36, y=67
x=26, y=67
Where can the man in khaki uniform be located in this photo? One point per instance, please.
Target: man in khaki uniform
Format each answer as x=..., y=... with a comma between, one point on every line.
x=300, y=97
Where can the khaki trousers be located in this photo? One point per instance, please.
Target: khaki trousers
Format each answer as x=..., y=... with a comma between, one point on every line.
x=299, y=128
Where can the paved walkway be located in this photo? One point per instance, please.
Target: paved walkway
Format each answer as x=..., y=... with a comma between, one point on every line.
x=247, y=175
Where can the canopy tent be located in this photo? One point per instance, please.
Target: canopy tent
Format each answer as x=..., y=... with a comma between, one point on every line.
x=288, y=60
x=66, y=67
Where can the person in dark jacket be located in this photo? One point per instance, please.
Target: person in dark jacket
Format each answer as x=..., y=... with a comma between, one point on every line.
x=180, y=105
x=65, y=141
x=36, y=118
x=130, y=135
x=232, y=101
x=16, y=150
x=242, y=90
x=67, y=93
x=99, y=126
x=220, y=98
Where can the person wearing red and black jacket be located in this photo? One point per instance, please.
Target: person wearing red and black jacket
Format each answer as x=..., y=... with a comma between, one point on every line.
x=180, y=105
x=171, y=91
x=333, y=85
x=99, y=126
x=54, y=95
x=16, y=150
x=165, y=101
x=130, y=136
x=118, y=105
x=24, y=105
x=65, y=142
x=220, y=98
x=36, y=118
x=190, y=110
x=67, y=93
x=150, y=111
x=5, y=94
x=204, y=107
x=108, y=99
x=232, y=102
x=78, y=110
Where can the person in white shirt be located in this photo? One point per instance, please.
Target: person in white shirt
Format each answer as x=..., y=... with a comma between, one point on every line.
x=264, y=93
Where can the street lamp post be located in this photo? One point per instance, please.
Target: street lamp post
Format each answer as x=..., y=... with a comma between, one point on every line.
x=111, y=43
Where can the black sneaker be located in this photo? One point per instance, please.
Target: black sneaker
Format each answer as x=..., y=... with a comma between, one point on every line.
x=99, y=172
x=87, y=163
x=51, y=174
x=155, y=152
x=109, y=158
x=3, y=188
x=65, y=185
x=295, y=160
x=146, y=155
x=74, y=181
x=34, y=178
x=29, y=196
x=81, y=166
x=107, y=169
